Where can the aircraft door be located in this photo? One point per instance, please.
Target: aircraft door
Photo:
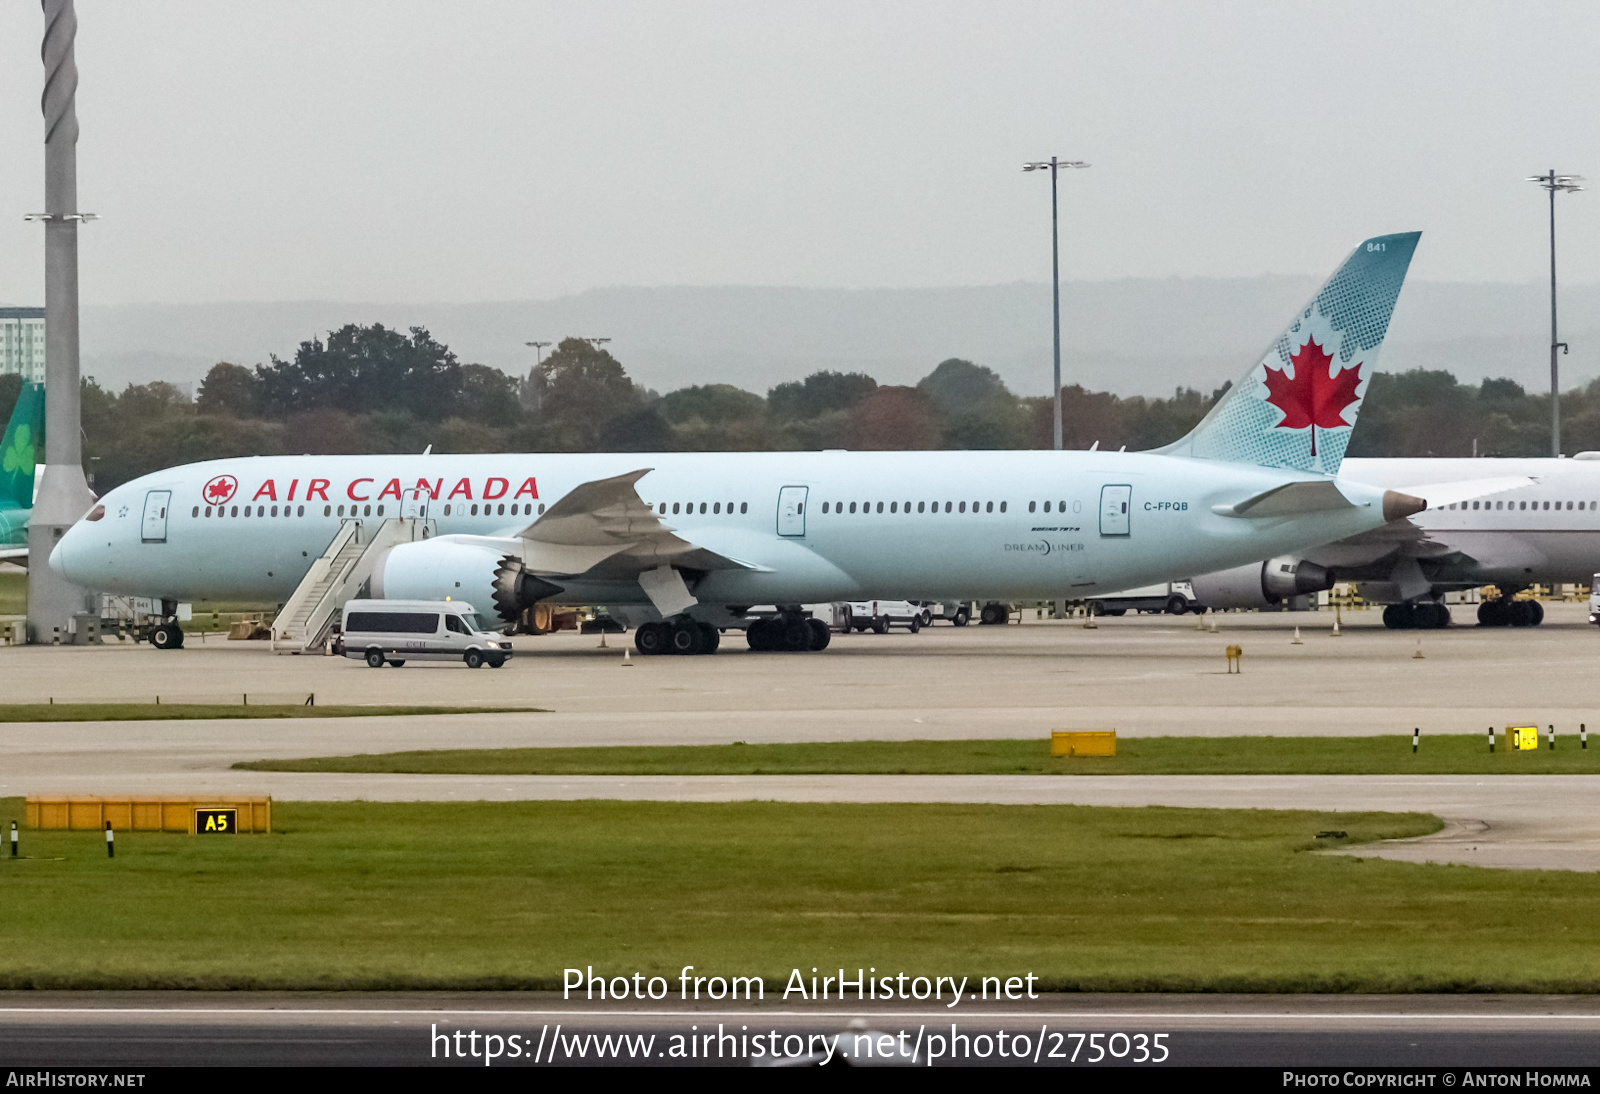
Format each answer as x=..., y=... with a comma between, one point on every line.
x=414, y=505
x=154, y=529
x=792, y=511
x=1115, y=501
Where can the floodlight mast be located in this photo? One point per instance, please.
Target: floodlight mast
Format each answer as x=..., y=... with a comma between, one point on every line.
x=64, y=493
x=528, y=393
x=1569, y=184
x=1055, y=165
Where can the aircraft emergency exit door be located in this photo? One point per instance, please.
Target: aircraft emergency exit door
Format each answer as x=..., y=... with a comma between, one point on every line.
x=1114, y=504
x=792, y=511
x=154, y=529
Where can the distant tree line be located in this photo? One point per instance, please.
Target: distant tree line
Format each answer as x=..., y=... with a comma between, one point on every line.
x=372, y=389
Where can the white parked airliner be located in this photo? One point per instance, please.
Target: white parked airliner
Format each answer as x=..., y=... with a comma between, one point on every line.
x=1541, y=525
x=683, y=544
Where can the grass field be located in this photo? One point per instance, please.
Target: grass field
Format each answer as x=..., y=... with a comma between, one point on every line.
x=1462, y=754
x=13, y=594
x=503, y=895
x=149, y=712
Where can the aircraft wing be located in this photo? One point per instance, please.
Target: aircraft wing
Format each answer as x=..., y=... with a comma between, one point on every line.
x=1375, y=552
x=18, y=555
x=1318, y=495
x=1440, y=494
x=604, y=529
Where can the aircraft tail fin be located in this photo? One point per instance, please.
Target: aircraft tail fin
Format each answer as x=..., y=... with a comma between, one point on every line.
x=1296, y=407
x=19, y=446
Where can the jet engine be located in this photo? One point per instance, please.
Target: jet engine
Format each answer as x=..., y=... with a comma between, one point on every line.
x=439, y=569
x=1261, y=584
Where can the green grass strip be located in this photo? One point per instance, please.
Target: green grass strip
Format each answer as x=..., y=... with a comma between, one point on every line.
x=488, y=895
x=150, y=712
x=1453, y=754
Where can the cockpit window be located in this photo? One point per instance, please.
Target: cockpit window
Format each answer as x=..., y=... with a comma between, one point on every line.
x=96, y=513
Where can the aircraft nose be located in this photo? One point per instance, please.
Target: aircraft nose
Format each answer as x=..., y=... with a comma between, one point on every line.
x=66, y=558
x=58, y=557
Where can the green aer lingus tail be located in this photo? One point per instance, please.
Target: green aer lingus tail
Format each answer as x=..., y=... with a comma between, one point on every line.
x=17, y=454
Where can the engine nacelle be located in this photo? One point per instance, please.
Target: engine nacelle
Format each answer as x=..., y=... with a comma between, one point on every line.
x=1261, y=584
x=439, y=569
x=1284, y=577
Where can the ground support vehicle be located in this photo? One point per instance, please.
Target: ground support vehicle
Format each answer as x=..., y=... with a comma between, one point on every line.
x=393, y=632
x=1172, y=597
x=879, y=615
x=143, y=620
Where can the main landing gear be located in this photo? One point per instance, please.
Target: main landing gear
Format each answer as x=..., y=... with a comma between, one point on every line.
x=1506, y=612
x=788, y=634
x=683, y=636
x=1418, y=615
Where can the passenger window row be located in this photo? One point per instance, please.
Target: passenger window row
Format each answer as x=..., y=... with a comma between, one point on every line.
x=687, y=507
x=253, y=510
x=1523, y=505
x=922, y=507
x=494, y=511
x=355, y=510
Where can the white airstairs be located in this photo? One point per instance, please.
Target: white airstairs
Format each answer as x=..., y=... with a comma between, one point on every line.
x=306, y=617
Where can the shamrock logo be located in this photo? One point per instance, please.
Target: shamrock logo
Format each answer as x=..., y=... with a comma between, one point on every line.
x=19, y=457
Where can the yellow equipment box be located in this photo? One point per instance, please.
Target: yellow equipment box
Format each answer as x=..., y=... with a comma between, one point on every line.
x=1079, y=742
x=1522, y=738
x=143, y=813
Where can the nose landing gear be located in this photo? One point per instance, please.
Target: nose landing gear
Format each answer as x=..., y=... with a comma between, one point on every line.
x=168, y=636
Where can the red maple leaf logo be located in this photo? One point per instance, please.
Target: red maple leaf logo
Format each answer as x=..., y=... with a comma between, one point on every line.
x=1314, y=396
x=220, y=489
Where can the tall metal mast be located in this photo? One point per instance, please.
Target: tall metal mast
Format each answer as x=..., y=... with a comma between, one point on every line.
x=64, y=493
x=1568, y=184
x=1055, y=165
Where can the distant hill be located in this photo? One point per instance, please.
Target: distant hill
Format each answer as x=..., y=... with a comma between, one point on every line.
x=1131, y=337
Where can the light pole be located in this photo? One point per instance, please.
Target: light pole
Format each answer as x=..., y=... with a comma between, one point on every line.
x=64, y=494
x=1568, y=184
x=530, y=389
x=1054, y=166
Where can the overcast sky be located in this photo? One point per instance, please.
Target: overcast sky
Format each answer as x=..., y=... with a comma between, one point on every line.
x=410, y=151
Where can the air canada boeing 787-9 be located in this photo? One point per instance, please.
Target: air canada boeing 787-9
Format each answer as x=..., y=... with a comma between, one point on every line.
x=686, y=544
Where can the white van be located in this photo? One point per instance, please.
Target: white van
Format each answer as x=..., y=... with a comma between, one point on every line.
x=1594, y=599
x=397, y=631
x=880, y=615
